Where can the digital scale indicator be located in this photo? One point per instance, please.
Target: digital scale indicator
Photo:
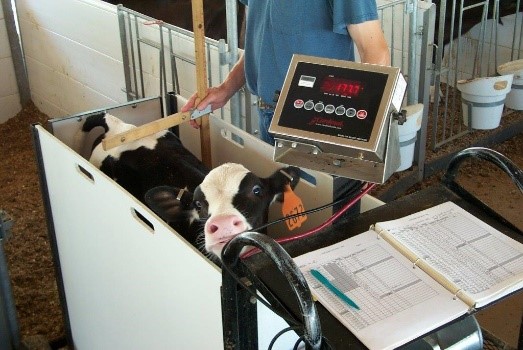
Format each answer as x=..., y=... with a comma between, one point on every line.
x=341, y=87
x=335, y=116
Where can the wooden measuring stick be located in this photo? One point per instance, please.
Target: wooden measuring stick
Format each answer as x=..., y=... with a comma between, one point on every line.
x=201, y=77
x=177, y=118
x=145, y=130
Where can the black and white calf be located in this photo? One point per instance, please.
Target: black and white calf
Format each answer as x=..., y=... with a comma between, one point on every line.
x=209, y=206
x=230, y=200
x=138, y=166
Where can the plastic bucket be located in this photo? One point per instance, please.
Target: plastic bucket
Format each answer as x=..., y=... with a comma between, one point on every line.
x=408, y=132
x=483, y=100
x=515, y=96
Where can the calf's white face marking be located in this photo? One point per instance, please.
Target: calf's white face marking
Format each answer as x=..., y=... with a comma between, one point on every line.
x=225, y=221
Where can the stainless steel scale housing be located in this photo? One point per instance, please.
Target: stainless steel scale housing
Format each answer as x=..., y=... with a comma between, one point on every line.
x=339, y=117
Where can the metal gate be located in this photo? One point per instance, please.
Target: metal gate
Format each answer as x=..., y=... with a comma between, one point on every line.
x=474, y=37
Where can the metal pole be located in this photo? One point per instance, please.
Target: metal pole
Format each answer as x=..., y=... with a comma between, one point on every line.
x=232, y=41
x=125, y=54
x=9, y=331
x=412, y=93
x=17, y=53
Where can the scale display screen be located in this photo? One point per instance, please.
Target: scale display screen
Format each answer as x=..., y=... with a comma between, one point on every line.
x=333, y=101
x=341, y=86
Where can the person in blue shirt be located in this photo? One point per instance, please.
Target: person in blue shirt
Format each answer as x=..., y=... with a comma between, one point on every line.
x=277, y=29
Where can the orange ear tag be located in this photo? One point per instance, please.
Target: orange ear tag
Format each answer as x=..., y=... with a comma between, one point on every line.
x=292, y=204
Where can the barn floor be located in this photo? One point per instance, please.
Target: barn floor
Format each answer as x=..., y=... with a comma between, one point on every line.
x=31, y=265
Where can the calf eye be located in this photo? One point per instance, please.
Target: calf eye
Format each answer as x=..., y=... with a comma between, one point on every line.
x=257, y=190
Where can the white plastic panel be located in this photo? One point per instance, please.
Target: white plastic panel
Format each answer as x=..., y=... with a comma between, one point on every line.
x=127, y=286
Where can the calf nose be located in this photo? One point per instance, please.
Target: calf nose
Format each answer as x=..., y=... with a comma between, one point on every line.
x=226, y=224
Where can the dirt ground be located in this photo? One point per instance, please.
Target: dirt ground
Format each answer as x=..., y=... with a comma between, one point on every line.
x=27, y=248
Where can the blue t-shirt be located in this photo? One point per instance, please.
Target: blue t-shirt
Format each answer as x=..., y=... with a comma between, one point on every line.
x=277, y=29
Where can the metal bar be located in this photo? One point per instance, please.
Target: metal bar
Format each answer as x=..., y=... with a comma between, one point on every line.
x=125, y=52
x=392, y=41
x=239, y=315
x=437, y=71
x=412, y=95
x=8, y=321
x=17, y=52
x=482, y=35
x=403, y=41
x=498, y=159
x=133, y=64
x=174, y=69
x=451, y=138
x=208, y=66
x=170, y=26
x=520, y=40
x=139, y=49
x=427, y=41
x=390, y=4
x=452, y=117
x=494, y=34
x=163, y=70
x=232, y=39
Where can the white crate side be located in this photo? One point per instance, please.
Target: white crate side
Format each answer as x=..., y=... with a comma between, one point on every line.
x=126, y=287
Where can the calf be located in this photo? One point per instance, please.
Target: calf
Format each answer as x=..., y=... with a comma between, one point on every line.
x=138, y=166
x=162, y=173
x=470, y=17
x=230, y=200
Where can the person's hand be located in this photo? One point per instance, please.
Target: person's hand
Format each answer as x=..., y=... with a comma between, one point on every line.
x=217, y=97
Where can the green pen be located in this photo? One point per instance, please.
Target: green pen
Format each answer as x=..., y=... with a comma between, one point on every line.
x=323, y=280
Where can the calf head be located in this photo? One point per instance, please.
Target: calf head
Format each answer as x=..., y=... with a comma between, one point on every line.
x=235, y=200
x=231, y=200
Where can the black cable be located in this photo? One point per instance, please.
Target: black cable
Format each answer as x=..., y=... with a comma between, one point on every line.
x=279, y=334
x=298, y=342
x=349, y=195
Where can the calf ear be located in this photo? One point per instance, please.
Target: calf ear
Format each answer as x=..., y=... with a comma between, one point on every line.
x=169, y=203
x=283, y=177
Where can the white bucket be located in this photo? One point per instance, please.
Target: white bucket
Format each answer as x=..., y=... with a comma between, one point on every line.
x=515, y=96
x=483, y=100
x=408, y=132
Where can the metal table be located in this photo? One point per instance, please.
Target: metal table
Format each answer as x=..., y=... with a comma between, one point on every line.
x=266, y=274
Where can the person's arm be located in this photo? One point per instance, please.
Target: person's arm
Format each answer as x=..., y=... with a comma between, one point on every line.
x=218, y=96
x=370, y=42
